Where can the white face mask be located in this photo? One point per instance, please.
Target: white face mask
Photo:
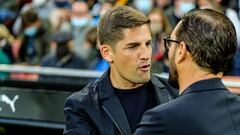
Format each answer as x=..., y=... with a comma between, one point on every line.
x=185, y=7
x=143, y=5
x=79, y=22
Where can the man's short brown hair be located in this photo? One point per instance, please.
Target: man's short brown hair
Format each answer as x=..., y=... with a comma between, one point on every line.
x=114, y=21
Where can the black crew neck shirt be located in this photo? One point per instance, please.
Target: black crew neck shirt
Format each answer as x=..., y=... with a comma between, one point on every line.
x=135, y=102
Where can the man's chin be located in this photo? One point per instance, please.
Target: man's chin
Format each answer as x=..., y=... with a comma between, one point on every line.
x=143, y=79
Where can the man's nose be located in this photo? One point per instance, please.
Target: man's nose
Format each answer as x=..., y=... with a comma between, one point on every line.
x=145, y=52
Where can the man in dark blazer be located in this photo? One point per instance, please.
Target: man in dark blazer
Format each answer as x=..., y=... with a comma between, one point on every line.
x=114, y=104
x=200, y=49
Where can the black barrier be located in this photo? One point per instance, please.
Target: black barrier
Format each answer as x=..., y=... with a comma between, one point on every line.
x=37, y=104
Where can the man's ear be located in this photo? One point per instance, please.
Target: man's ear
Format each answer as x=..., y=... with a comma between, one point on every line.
x=181, y=52
x=106, y=52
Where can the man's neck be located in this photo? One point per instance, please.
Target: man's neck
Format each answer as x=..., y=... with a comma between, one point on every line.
x=188, y=77
x=121, y=83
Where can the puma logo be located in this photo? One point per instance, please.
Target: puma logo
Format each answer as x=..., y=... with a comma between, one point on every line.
x=4, y=98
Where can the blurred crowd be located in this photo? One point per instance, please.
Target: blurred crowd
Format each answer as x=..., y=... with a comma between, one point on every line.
x=63, y=33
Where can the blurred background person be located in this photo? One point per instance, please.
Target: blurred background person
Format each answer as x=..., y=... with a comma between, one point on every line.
x=163, y=4
x=160, y=27
x=10, y=10
x=34, y=38
x=81, y=23
x=41, y=7
x=211, y=4
x=59, y=17
x=178, y=9
x=6, y=56
x=100, y=8
x=144, y=6
x=6, y=41
x=63, y=57
x=95, y=59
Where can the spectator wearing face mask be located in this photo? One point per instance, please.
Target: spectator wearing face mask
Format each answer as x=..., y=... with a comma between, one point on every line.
x=34, y=38
x=63, y=57
x=144, y=6
x=41, y=7
x=178, y=9
x=160, y=27
x=81, y=23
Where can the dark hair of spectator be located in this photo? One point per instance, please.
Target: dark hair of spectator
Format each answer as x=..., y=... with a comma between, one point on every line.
x=29, y=17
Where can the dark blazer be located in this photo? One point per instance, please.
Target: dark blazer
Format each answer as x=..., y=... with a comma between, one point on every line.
x=96, y=110
x=205, y=108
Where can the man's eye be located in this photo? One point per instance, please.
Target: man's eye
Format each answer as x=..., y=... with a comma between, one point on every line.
x=132, y=46
x=149, y=44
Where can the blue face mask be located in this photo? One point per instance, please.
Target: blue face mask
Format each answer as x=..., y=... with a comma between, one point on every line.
x=31, y=31
x=79, y=22
x=185, y=7
x=144, y=5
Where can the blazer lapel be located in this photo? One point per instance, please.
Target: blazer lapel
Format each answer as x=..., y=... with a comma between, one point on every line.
x=114, y=110
x=112, y=106
x=161, y=94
